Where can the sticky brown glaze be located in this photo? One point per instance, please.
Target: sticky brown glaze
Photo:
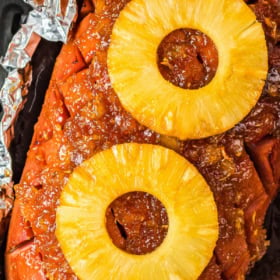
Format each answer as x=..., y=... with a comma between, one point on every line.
x=240, y=197
x=266, y=156
x=187, y=58
x=137, y=222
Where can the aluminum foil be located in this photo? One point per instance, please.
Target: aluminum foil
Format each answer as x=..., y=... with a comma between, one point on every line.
x=52, y=20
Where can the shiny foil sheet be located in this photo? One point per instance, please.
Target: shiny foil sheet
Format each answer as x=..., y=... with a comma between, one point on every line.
x=51, y=20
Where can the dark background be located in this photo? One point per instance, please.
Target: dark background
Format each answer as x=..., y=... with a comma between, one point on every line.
x=12, y=14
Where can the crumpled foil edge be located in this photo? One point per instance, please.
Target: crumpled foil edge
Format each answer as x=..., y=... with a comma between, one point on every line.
x=51, y=21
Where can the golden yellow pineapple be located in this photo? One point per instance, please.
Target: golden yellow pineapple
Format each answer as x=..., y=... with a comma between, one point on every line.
x=192, y=215
x=174, y=111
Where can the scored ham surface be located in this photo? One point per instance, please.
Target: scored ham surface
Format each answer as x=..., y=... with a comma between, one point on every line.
x=82, y=115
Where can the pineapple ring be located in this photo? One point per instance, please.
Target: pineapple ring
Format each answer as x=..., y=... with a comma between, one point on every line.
x=193, y=222
x=184, y=113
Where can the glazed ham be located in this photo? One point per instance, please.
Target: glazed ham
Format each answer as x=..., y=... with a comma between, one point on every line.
x=82, y=115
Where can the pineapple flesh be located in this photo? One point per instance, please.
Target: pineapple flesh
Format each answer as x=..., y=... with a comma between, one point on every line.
x=174, y=111
x=191, y=209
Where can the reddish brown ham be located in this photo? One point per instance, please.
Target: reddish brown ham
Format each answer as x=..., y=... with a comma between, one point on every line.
x=266, y=156
x=82, y=115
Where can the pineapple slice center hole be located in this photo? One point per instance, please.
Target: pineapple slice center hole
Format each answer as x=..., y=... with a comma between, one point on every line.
x=187, y=58
x=137, y=222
